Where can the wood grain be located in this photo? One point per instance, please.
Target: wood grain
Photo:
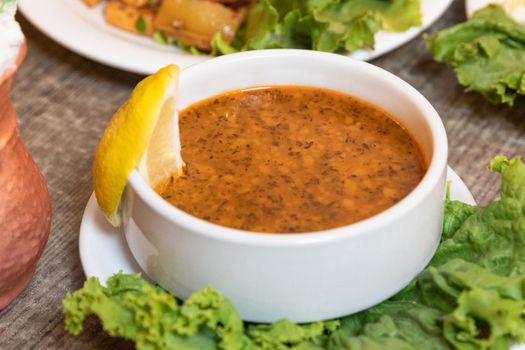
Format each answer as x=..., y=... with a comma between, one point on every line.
x=64, y=101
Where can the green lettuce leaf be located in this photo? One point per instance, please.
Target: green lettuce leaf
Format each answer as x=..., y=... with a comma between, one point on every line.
x=456, y=213
x=131, y=308
x=493, y=237
x=481, y=309
x=325, y=25
x=471, y=296
x=487, y=54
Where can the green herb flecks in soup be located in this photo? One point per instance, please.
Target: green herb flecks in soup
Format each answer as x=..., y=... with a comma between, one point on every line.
x=291, y=159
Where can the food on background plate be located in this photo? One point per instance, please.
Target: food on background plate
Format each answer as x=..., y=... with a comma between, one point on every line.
x=487, y=54
x=289, y=159
x=196, y=22
x=226, y=26
x=471, y=296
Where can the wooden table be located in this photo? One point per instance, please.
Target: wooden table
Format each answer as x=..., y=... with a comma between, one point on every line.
x=64, y=101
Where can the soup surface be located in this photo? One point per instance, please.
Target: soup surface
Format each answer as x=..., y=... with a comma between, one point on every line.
x=291, y=159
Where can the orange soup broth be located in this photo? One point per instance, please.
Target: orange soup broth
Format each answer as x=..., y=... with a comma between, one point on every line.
x=291, y=159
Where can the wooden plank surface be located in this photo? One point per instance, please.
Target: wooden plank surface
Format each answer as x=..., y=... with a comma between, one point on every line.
x=64, y=101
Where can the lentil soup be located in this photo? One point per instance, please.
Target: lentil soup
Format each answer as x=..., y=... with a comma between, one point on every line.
x=291, y=159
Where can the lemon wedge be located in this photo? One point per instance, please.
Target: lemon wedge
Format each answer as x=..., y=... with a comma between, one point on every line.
x=163, y=156
x=146, y=123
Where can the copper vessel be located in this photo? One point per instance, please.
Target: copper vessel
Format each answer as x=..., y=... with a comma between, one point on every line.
x=25, y=210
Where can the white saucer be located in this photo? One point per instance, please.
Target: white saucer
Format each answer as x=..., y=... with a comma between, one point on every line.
x=104, y=250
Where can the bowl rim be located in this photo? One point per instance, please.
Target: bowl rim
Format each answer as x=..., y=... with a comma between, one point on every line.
x=437, y=166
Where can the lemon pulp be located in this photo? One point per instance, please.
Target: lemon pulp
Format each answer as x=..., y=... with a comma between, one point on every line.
x=146, y=123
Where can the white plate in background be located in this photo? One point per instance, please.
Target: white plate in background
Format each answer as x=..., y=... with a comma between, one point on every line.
x=83, y=30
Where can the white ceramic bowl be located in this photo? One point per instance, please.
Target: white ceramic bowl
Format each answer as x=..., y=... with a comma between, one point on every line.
x=302, y=277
